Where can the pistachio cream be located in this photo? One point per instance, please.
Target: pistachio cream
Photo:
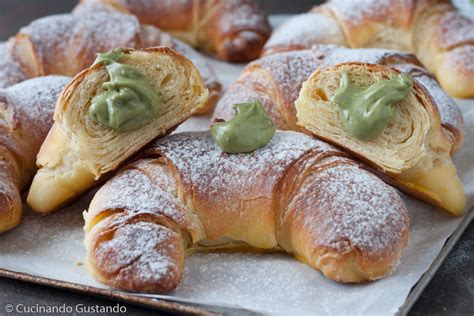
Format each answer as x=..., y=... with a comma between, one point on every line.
x=128, y=101
x=251, y=128
x=366, y=112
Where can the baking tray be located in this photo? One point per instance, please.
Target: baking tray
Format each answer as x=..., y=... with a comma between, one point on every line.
x=157, y=302
x=429, y=274
x=188, y=306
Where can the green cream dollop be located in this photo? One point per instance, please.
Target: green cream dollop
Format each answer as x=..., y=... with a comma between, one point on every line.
x=366, y=112
x=251, y=128
x=128, y=101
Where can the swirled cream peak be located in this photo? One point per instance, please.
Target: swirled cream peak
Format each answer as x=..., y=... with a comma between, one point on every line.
x=128, y=100
x=251, y=128
x=366, y=112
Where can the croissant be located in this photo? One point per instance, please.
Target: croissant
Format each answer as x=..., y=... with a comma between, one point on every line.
x=232, y=30
x=412, y=150
x=276, y=82
x=81, y=148
x=26, y=114
x=441, y=37
x=10, y=69
x=297, y=195
x=65, y=44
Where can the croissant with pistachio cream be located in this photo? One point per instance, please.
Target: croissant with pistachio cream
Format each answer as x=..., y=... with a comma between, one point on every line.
x=107, y=113
x=387, y=120
x=187, y=195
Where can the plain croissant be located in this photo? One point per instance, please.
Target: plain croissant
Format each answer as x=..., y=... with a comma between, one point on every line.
x=26, y=115
x=440, y=36
x=297, y=194
x=276, y=81
x=65, y=44
x=232, y=30
x=78, y=152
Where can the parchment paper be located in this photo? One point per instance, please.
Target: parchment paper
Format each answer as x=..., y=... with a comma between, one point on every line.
x=51, y=246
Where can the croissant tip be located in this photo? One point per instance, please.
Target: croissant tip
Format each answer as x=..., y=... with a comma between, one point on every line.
x=242, y=46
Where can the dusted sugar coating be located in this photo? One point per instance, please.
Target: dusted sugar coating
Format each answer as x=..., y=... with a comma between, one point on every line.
x=10, y=69
x=55, y=39
x=235, y=187
x=298, y=30
x=78, y=151
x=139, y=194
x=276, y=81
x=412, y=150
x=440, y=35
x=296, y=194
x=347, y=225
x=65, y=44
x=232, y=30
x=26, y=115
x=324, y=225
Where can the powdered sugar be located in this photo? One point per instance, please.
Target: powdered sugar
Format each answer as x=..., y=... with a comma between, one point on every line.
x=10, y=70
x=107, y=30
x=290, y=70
x=355, y=12
x=449, y=111
x=462, y=58
x=332, y=55
x=135, y=192
x=305, y=30
x=454, y=30
x=138, y=254
x=231, y=188
x=341, y=206
x=67, y=43
x=376, y=222
x=8, y=185
x=35, y=100
x=208, y=170
x=248, y=89
x=231, y=179
x=238, y=15
x=49, y=34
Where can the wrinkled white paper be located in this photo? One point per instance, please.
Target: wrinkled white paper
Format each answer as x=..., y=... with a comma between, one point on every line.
x=51, y=246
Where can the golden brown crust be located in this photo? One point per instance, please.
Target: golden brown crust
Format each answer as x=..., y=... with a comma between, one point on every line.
x=11, y=71
x=157, y=268
x=10, y=199
x=311, y=216
x=432, y=29
x=65, y=44
x=26, y=111
x=276, y=81
x=285, y=196
x=78, y=153
x=232, y=30
x=413, y=151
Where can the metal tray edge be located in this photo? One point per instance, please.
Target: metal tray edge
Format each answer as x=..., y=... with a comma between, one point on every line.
x=189, y=308
x=418, y=288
